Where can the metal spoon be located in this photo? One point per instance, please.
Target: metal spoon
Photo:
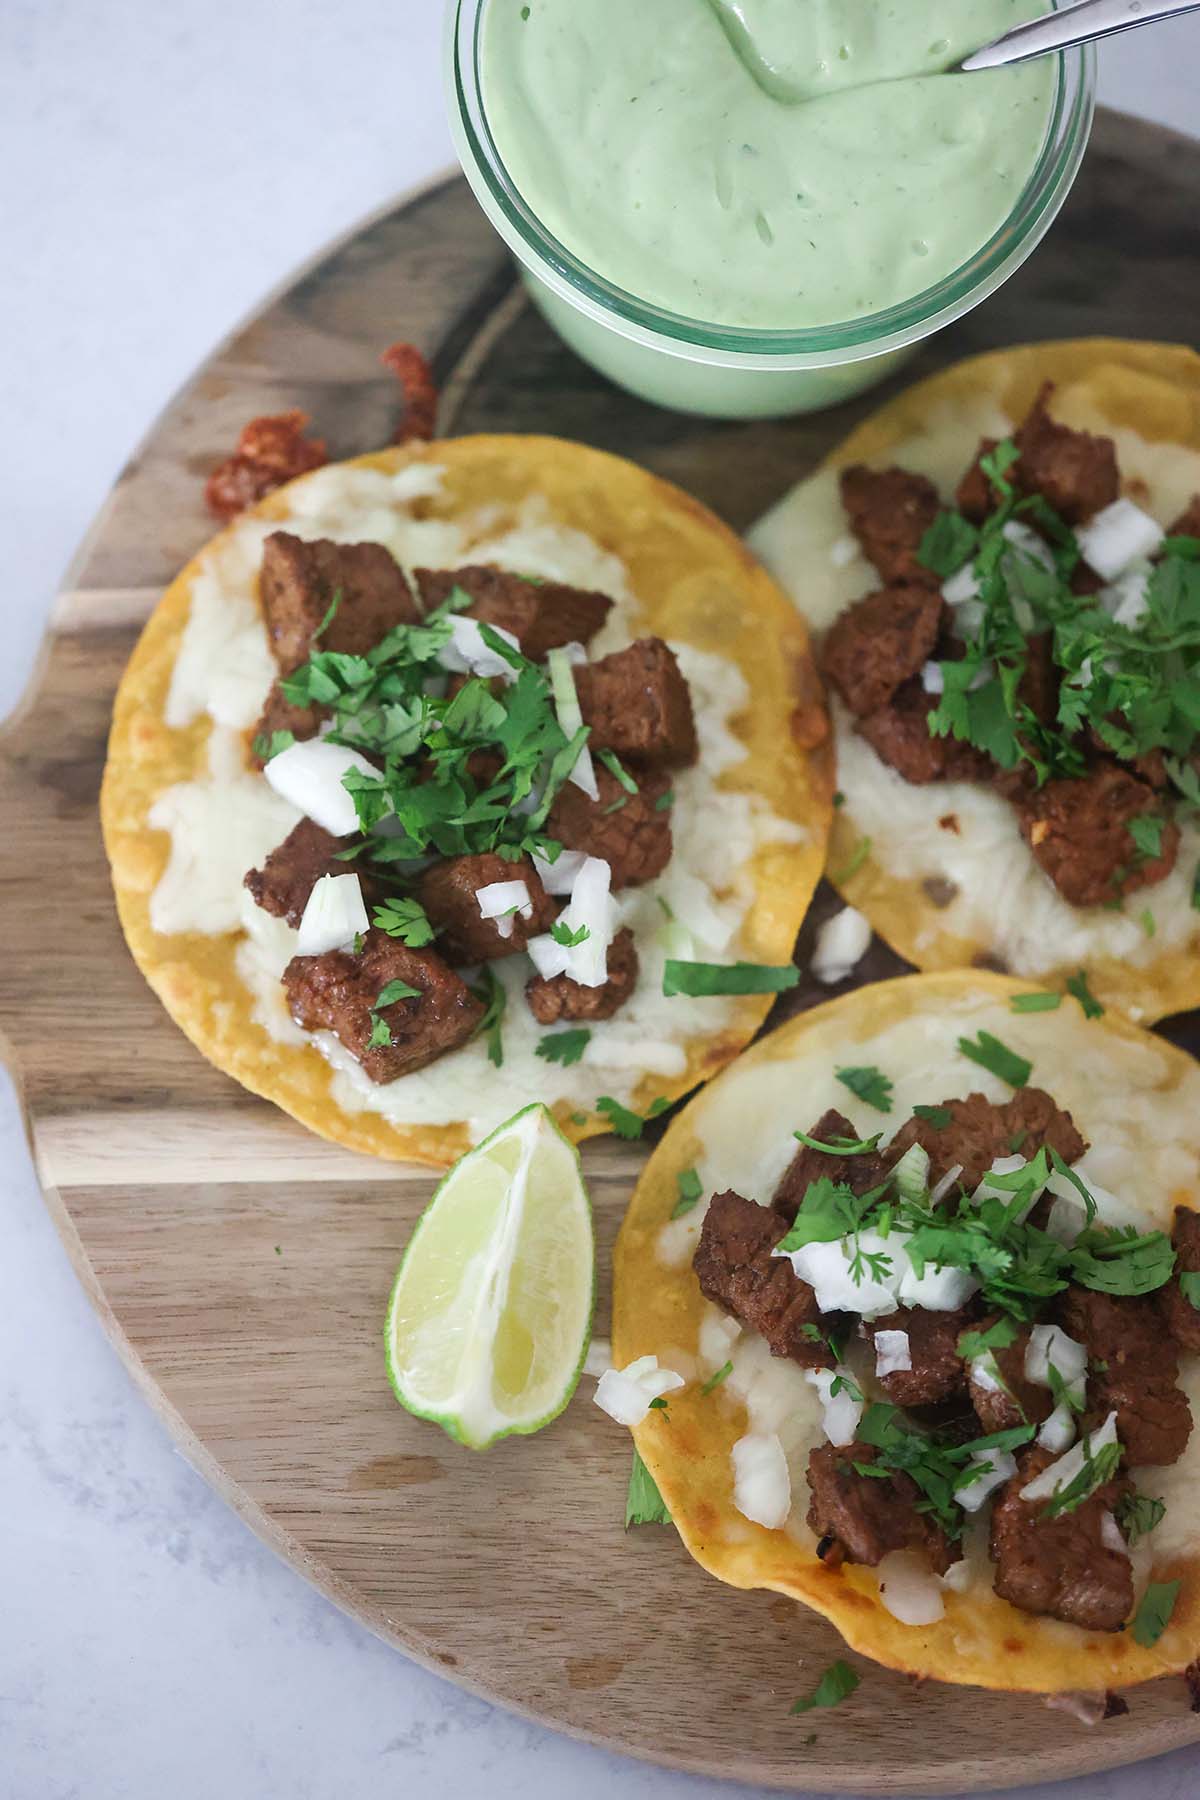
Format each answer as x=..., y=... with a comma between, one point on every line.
x=1077, y=24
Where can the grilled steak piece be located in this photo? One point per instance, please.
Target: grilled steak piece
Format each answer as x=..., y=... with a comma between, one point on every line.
x=1017, y=1402
x=890, y=511
x=637, y=704
x=1133, y=1370
x=279, y=714
x=735, y=1268
x=1061, y=1567
x=287, y=877
x=542, y=615
x=975, y=497
x=1078, y=830
x=881, y=641
x=634, y=838
x=861, y=1173
x=1183, y=1319
x=899, y=734
x=556, y=998
x=338, y=992
x=448, y=891
x=937, y=1371
x=301, y=576
x=980, y=1130
x=868, y=1515
x=1188, y=522
x=1074, y=471
x=1038, y=686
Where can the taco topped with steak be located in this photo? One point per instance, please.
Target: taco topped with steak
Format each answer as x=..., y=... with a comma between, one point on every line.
x=1011, y=620
x=428, y=769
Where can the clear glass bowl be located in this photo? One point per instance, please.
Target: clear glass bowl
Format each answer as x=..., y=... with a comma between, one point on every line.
x=736, y=372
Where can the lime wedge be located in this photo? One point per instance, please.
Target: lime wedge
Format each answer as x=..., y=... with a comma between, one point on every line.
x=488, y=1322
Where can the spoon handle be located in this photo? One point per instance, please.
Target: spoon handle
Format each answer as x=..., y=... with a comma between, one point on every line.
x=1077, y=24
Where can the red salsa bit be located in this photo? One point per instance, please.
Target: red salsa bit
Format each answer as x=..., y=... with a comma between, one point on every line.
x=270, y=451
x=419, y=417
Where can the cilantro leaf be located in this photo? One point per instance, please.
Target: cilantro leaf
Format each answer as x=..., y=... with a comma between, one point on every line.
x=854, y=862
x=625, y=1123
x=270, y=743
x=947, y=544
x=1189, y=1287
x=1154, y=1612
x=564, y=1047
x=617, y=769
x=997, y=1058
x=700, y=978
x=714, y=1381
x=393, y=991
x=666, y=801
x=1099, y=1466
x=996, y=1337
x=690, y=1189
x=870, y=1084
x=1029, y=1003
x=1120, y=1260
x=836, y=1684
x=1146, y=830
x=563, y=934
x=1079, y=990
x=840, y=1146
x=644, y=1505
x=492, y=995
x=937, y=1116
x=1137, y=1515
x=405, y=919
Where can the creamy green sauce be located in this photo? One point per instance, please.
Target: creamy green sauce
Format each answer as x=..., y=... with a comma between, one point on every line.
x=772, y=163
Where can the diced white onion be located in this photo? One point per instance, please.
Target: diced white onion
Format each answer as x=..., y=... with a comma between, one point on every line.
x=1128, y=598
x=827, y=1269
x=762, y=1485
x=559, y=877
x=1050, y=1346
x=591, y=906
x=945, y=1184
x=958, y=1576
x=334, y=915
x=843, y=552
x=625, y=1394
x=841, y=942
x=1120, y=534
x=893, y=1354
x=1068, y=1215
x=502, y=901
x=1089, y=1709
x=1058, y=1432
x=937, y=1290
x=962, y=585
x=998, y=1467
x=841, y=1411
x=692, y=904
x=966, y=619
x=570, y=718
x=467, y=654
x=932, y=679
x=911, y=1173
x=985, y=1374
x=987, y=1190
x=1064, y=1471
x=909, y=1589
x=1111, y=1535
x=1023, y=537
x=309, y=774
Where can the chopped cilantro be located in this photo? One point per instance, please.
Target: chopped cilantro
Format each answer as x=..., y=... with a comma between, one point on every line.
x=836, y=1684
x=563, y=934
x=870, y=1084
x=997, y=1058
x=690, y=1189
x=1189, y=1287
x=359, y=943
x=937, y=1116
x=1120, y=1260
x=578, y=1118
x=492, y=995
x=625, y=1123
x=714, y=1381
x=997, y=462
x=644, y=1504
x=1148, y=922
x=381, y=1031
x=839, y=799
x=1196, y=889
x=1137, y=1515
x=1079, y=990
x=564, y=1047
x=996, y=1337
x=405, y=919
x=1154, y=1612
x=854, y=862
x=1099, y=1466
x=697, y=978
x=947, y=544
x=666, y=801
x=659, y=1405
x=269, y=744
x=1029, y=1003
x=615, y=768
x=1146, y=830
x=840, y=1146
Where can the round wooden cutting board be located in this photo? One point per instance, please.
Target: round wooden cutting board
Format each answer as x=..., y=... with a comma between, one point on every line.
x=241, y=1266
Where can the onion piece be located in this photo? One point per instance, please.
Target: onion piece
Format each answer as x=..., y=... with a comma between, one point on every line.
x=334, y=915
x=827, y=1268
x=1023, y=537
x=1116, y=536
x=893, y=1353
x=1049, y=1346
x=625, y=1394
x=945, y=1184
x=309, y=774
x=1111, y=1535
x=590, y=906
x=1058, y=1431
x=996, y=1466
x=467, y=654
x=502, y=902
x=762, y=1483
x=911, y=1173
x=937, y=1290
x=841, y=1412
x=1060, y=1473
x=841, y=942
x=909, y=1589
x=932, y=679
x=570, y=718
x=1088, y=1708
x=558, y=877
x=962, y=585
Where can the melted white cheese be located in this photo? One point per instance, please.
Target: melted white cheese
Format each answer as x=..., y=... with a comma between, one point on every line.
x=224, y=825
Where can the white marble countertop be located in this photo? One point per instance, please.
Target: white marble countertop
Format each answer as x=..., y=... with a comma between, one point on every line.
x=163, y=167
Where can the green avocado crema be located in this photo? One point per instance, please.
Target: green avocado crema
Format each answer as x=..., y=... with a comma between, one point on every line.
x=770, y=163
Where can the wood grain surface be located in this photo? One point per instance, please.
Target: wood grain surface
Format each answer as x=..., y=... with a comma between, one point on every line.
x=241, y=1266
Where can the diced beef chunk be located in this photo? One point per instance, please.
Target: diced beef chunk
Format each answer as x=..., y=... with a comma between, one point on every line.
x=937, y=1371
x=735, y=1268
x=1078, y=830
x=899, y=734
x=1133, y=1370
x=279, y=714
x=1038, y=686
x=300, y=578
x=890, y=511
x=339, y=992
x=980, y=1130
x=637, y=704
x=448, y=892
x=975, y=497
x=555, y=999
x=540, y=614
x=868, y=1515
x=1017, y=1401
x=1188, y=522
x=861, y=1173
x=630, y=832
x=1074, y=471
x=1183, y=1319
x=287, y=877
x=1061, y=1566
x=879, y=642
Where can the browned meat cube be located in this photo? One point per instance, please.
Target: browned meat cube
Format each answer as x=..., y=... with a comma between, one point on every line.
x=287, y=878
x=879, y=642
x=557, y=998
x=630, y=832
x=1188, y=522
x=937, y=1371
x=865, y=1516
x=1038, y=686
x=339, y=992
x=975, y=497
x=1078, y=830
x=1018, y=1402
x=280, y=715
x=637, y=704
x=542, y=615
x=980, y=1130
x=300, y=577
x=861, y=1173
x=1183, y=1319
x=890, y=511
x=899, y=734
x=1133, y=1370
x=1074, y=471
x=735, y=1268
x=448, y=892
x=1060, y=1567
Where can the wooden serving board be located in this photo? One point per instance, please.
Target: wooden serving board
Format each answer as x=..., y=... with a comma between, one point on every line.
x=241, y=1266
